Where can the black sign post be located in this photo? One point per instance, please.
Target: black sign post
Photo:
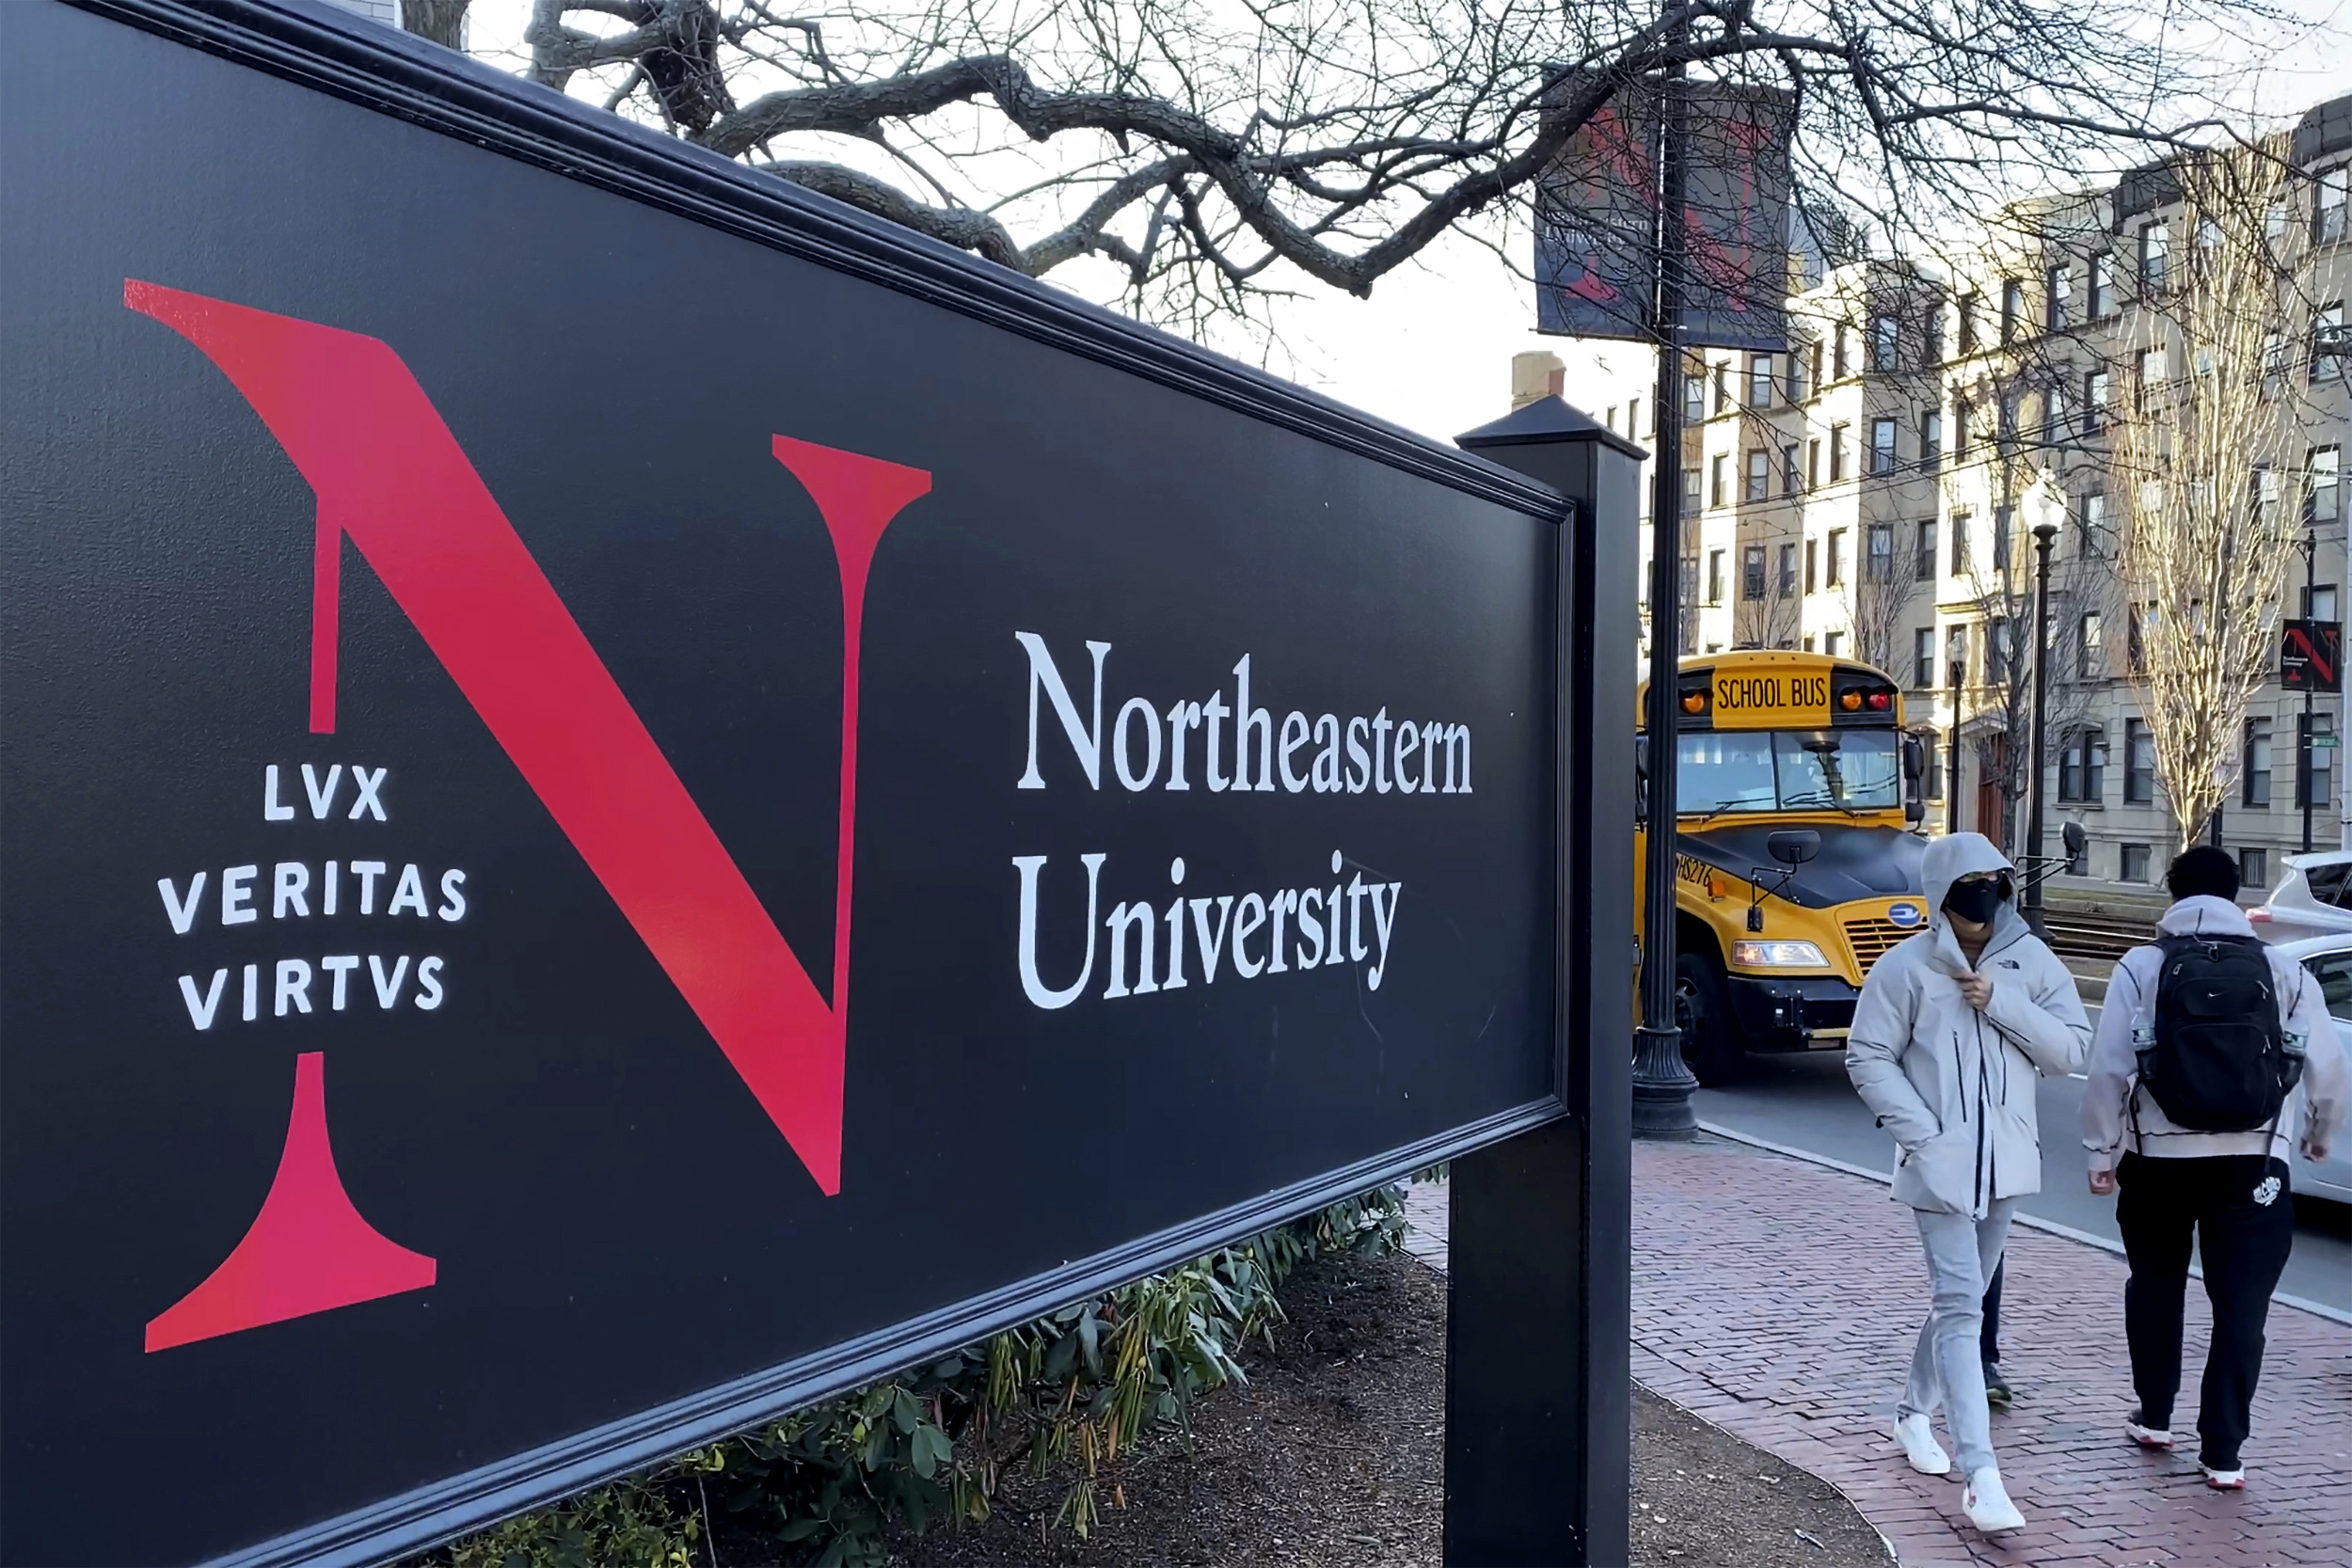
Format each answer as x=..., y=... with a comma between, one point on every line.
x=493, y=600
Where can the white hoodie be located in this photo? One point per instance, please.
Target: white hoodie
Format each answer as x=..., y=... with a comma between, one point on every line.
x=2109, y=1112
x=1955, y=1086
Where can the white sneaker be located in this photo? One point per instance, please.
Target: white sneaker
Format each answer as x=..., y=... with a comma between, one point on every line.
x=2159, y=1438
x=2223, y=1481
x=1926, y=1454
x=1987, y=1503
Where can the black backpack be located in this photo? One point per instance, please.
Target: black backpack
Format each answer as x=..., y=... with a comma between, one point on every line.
x=2218, y=1060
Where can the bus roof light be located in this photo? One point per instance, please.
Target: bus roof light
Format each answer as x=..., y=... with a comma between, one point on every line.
x=1881, y=699
x=1850, y=701
x=1694, y=702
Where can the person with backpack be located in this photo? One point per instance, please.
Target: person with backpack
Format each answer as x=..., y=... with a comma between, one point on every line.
x=1953, y=1028
x=2215, y=1057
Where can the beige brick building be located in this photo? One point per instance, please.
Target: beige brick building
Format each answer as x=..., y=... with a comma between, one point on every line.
x=1873, y=494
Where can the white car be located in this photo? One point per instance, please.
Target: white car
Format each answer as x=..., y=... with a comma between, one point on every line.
x=2314, y=899
x=2330, y=959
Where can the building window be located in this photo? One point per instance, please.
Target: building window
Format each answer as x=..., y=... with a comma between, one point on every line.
x=1923, y=657
x=1761, y=381
x=1760, y=474
x=1787, y=570
x=1791, y=476
x=1955, y=656
x=2002, y=530
x=2155, y=366
x=2333, y=200
x=1689, y=492
x=2054, y=414
x=2136, y=641
x=1752, y=572
x=1960, y=431
x=1813, y=463
x=2089, y=658
x=2102, y=286
x=1836, y=557
x=1880, y=562
x=2094, y=523
x=2139, y=763
x=1722, y=385
x=2256, y=786
x=1881, y=446
x=2316, y=785
x=2324, y=495
x=1808, y=645
x=2134, y=863
x=1714, y=576
x=1923, y=560
x=2095, y=395
x=1813, y=381
x=1613, y=419
x=1833, y=643
x=2083, y=766
x=2013, y=309
x=2004, y=431
x=1812, y=562
x=1931, y=439
x=1934, y=333
x=2253, y=869
x=1838, y=358
x=1837, y=452
x=2319, y=602
x=1632, y=417
x=1960, y=544
x=1694, y=396
x=1933, y=785
x=1996, y=650
x=1967, y=325
x=2328, y=343
x=2058, y=289
x=2155, y=238
x=1719, y=479
x=1885, y=343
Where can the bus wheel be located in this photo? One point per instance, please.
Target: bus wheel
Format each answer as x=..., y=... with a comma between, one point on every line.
x=1711, y=1038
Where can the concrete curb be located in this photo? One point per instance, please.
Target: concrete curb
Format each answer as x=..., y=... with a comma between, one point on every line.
x=2300, y=1304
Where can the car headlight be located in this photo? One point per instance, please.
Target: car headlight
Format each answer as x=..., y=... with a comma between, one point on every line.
x=1778, y=955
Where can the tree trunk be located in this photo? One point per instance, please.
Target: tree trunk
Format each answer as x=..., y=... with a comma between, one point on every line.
x=442, y=22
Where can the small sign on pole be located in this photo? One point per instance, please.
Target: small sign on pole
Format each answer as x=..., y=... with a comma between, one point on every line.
x=2311, y=656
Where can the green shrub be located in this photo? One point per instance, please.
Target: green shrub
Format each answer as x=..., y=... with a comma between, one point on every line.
x=1065, y=1395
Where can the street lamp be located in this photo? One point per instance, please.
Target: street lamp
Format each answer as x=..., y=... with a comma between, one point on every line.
x=2310, y=547
x=1951, y=780
x=2045, y=532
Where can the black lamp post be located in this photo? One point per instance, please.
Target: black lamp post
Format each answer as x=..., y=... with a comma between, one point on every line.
x=2043, y=533
x=1952, y=777
x=2310, y=547
x=1662, y=1081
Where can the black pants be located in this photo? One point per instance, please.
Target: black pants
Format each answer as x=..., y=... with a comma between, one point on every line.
x=1991, y=1342
x=2238, y=1208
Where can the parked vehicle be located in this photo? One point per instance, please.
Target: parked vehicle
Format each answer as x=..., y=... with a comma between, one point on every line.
x=2314, y=899
x=2330, y=959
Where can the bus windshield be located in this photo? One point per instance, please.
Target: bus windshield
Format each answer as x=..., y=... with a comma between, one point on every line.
x=1793, y=770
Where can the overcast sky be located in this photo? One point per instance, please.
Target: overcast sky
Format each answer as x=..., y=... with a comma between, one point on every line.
x=1431, y=349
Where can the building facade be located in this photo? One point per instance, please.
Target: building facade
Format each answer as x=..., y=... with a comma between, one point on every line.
x=1874, y=492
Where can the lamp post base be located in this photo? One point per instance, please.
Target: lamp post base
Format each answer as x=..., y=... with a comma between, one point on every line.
x=1662, y=1085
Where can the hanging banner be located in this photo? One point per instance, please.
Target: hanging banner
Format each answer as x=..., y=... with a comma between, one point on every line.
x=1596, y=214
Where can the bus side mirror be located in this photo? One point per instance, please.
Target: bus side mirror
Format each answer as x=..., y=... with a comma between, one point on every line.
x=1793, y=846
x=1914, y=768
x=1641, y=778
x=2077, y=845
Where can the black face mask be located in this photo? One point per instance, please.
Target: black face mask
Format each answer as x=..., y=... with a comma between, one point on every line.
x=1977, y=902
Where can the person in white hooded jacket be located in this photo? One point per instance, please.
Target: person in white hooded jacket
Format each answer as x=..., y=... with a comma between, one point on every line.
x=1953, y=1027
x=2228, y=1190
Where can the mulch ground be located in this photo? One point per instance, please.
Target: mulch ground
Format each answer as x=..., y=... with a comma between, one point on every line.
x=1331, y=1456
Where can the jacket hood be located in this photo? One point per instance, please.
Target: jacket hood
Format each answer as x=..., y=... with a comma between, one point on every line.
x=1957, y=855
x=2205, y=915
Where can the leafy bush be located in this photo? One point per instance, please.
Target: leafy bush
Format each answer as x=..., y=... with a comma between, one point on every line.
x=1066, y=1395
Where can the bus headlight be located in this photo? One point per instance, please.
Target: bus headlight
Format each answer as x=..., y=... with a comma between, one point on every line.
x=1778, y=955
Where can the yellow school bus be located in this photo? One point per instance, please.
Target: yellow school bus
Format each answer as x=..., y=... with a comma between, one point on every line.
x=1795, y=862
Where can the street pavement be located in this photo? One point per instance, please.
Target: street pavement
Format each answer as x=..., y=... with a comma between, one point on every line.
x=1803, y=1101
x=1779, y=1299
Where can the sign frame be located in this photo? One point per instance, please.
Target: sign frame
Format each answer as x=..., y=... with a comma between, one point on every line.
x=394, y=74
x=2310, y=656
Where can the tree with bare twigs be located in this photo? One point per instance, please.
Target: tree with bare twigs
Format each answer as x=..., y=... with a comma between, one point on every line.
x=1193, y=155
x=2206, y=459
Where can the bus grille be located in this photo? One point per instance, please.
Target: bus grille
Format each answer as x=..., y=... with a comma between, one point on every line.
x=1871, y=939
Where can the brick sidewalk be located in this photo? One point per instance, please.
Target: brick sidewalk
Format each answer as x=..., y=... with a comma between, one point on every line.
x=1779, y=1300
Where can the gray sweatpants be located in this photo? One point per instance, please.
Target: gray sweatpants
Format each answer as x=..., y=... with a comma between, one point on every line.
x=1944, y=1365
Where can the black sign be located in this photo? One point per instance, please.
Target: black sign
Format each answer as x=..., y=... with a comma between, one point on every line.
x=1597, y=211
x=2310, y=656
x=494, y=600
